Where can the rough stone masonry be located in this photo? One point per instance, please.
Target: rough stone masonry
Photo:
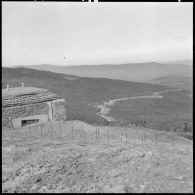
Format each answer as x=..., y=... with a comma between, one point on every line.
x=28, y=105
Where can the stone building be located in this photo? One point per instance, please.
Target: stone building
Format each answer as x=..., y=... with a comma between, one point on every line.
x=23, y=106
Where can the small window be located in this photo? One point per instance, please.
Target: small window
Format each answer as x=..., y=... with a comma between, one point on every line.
x=29, y=122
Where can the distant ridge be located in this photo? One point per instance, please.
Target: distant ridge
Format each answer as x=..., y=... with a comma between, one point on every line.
x=184, y=62
x=138, y=72
x=174, y=81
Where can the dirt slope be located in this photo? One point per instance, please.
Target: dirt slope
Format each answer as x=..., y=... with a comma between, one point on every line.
x=76, y=161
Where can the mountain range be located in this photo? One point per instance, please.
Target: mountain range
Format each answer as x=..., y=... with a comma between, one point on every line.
x=138, y=72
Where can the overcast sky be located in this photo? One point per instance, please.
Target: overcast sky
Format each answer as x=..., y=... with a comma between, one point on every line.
x=89, y=33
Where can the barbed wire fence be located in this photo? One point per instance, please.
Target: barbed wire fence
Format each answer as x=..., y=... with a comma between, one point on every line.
x=59, y=130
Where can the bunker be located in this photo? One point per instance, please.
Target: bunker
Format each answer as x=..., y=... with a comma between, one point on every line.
x=24, y=106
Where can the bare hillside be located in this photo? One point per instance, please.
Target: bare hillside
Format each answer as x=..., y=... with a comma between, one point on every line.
x=65, y=158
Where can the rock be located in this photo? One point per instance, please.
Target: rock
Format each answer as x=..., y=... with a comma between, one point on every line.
x=115, y=173
x=118, y=189
x=180, y=178
x=57, y=191
x=43, y=189
x=190, y=183
x=142, y=156
x=129, y=189
x=106, y=187
x=7, y=149
x=149, y=153
x=148, y=165
x=34, y=188
x=142, y=187
x=156, y=174
x=126, y=180
x=65, y=190
x=157, y=163
x=38, y=180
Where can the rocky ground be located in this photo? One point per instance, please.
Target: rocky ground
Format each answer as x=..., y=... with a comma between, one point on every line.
x=67, y=160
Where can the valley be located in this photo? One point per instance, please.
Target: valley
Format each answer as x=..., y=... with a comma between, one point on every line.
x=105, y=109
x=85, y=98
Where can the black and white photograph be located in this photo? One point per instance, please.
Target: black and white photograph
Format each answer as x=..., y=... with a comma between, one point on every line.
x=97, y=97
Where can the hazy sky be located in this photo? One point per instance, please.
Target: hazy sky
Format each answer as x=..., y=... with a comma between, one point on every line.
x=89, y=33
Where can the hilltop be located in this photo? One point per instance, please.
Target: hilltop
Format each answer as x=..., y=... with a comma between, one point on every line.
x=65, y=161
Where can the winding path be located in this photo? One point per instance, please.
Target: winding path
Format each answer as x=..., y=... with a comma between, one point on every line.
x=104, y=108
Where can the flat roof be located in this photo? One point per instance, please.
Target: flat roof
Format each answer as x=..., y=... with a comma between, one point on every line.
x=26, y=95
x=17, y=91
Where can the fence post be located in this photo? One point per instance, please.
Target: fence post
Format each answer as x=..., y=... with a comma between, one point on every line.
x=126, y=138
x=30, y=130
x=84, y=134
x=72, y=133
x=51, y=128
x=172, y=140
x=41, y=130
x=156, y=138
x=99, y=136
x=60, y=123
x=108, y=136
x=96, y=134
x=144, y=136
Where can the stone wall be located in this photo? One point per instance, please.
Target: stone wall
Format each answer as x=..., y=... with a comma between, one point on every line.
x=10, y=113
x=59, y=110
